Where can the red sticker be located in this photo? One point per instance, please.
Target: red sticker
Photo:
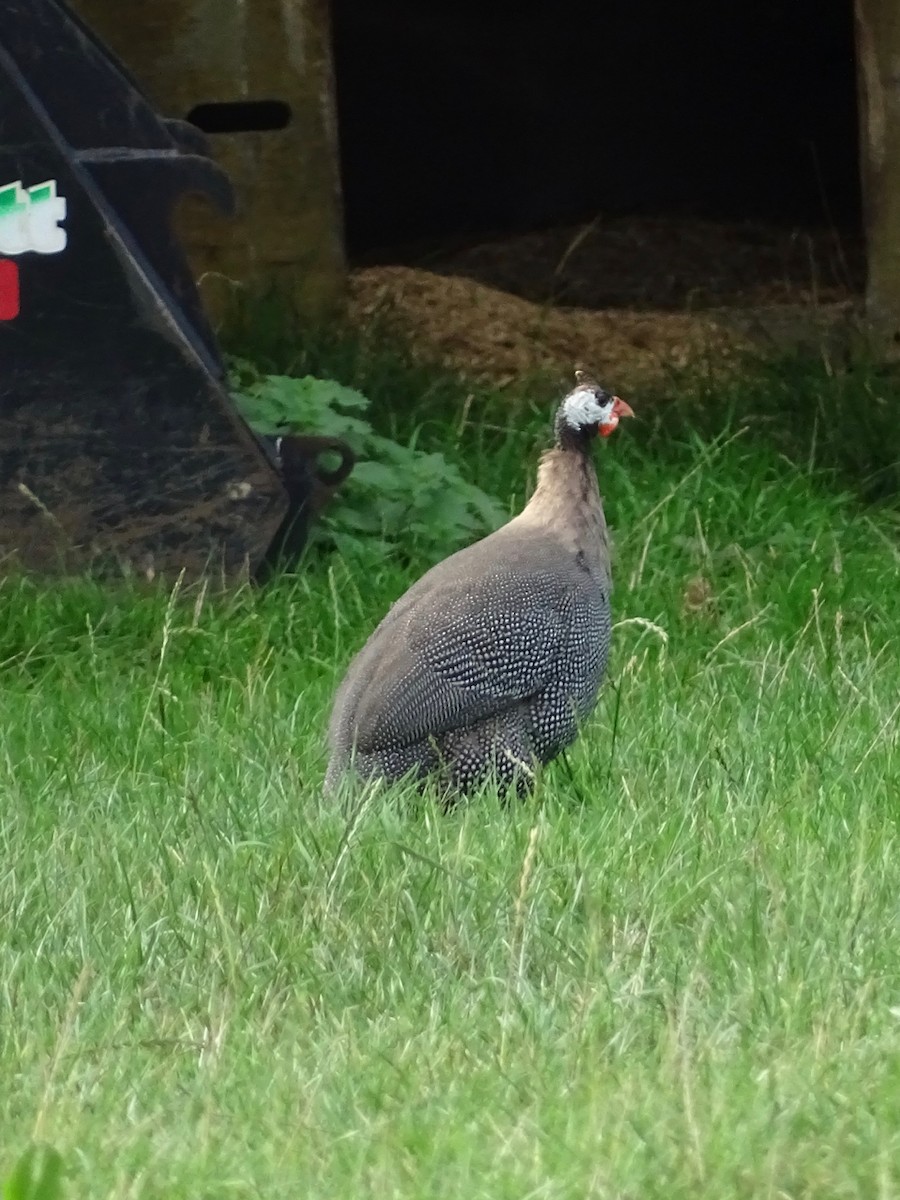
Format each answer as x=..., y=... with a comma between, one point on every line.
x=9, y=289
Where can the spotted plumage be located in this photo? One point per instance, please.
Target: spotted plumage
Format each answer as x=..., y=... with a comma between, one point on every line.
x=489, y=663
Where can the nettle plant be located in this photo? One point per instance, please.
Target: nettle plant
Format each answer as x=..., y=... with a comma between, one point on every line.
x=395, y=494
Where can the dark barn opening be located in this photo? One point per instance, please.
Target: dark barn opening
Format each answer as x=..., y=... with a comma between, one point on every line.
x=489, y=117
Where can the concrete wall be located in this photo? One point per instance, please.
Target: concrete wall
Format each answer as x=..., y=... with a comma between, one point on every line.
x=185, y=53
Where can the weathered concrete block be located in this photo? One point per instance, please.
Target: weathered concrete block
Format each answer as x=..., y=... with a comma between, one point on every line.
x=228, y=64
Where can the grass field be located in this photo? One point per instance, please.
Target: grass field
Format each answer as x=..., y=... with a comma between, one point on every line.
x=674, y=974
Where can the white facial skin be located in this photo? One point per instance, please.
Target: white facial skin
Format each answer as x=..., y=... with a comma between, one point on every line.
x=581, y=408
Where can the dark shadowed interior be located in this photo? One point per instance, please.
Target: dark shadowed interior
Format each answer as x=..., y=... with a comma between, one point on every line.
x=477, y=117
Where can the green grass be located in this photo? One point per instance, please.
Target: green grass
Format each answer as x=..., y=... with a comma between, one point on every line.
x=673, y=974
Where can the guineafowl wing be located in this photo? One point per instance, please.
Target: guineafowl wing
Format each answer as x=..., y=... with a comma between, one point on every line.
x=469, y=650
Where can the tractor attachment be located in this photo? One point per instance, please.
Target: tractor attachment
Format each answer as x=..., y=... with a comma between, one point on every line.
x=120, y=447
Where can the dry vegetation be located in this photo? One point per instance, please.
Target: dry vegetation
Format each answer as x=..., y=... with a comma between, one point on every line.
x=632, y=297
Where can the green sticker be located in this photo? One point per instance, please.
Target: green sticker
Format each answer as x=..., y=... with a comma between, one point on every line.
x=30, y=219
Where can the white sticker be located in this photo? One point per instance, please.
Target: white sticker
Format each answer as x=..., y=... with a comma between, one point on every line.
x=30, y=219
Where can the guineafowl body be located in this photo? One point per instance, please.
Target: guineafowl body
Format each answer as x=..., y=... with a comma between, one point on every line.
x=489, y=663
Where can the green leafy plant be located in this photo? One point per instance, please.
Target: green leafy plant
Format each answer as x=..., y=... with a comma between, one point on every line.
x=36, y=1176
x=395, y=493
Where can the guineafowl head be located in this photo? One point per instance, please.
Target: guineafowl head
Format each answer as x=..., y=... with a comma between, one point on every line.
x=588, y=411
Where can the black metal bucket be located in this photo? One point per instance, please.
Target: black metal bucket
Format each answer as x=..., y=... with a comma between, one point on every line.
x=119, y=444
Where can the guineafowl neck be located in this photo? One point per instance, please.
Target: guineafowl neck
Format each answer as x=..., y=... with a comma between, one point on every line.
x=567, y=499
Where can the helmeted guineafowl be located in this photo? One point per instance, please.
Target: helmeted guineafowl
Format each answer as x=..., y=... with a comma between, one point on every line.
x=489, y=663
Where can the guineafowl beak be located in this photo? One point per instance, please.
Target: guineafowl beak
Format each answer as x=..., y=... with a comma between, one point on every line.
x=620, y=408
